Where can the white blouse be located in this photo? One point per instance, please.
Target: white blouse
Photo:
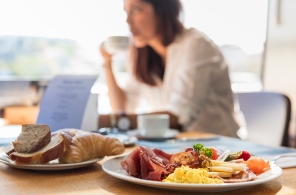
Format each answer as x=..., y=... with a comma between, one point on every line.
x=196, y=86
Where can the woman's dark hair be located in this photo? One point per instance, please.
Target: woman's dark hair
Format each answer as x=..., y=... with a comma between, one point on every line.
x=147, y=64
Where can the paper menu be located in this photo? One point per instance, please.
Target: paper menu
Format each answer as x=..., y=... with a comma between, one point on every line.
x=69, y=103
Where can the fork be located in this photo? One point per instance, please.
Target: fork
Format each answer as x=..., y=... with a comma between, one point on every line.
x=281, y=156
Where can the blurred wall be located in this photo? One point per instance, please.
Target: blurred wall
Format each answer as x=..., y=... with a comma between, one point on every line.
x=280, y=62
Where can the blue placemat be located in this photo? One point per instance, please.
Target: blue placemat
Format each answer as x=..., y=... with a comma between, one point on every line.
x=220, y=142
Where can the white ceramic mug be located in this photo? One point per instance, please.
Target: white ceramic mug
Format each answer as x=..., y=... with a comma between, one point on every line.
x=153, y=125
x=116, y=44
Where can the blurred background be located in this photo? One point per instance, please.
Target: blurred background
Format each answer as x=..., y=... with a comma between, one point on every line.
x=40, y=39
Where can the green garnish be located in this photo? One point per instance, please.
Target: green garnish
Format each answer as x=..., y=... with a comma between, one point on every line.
x=233, y=155
x=200, y=149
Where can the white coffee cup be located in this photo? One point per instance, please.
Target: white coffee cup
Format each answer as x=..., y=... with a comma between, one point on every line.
x=115, y=44
x=153, y=125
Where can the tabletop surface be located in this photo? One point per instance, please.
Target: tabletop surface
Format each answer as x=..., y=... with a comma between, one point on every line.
x=93, y=180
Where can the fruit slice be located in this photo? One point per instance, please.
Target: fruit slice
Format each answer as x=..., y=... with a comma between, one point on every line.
x=257, y=165
x=214, y=154
x=242, y=154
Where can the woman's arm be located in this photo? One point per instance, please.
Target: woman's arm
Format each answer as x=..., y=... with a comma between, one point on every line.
x=114, y=91
x=118, y=99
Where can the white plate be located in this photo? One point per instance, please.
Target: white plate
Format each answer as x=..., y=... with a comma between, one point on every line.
x=113, y=167
x=52, y=165
x=169, y=134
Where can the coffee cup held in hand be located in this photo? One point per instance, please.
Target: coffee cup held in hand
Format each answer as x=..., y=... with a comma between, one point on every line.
x=153, y=125
x=115, y=44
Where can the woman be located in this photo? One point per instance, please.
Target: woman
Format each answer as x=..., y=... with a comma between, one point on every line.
x=178, y=71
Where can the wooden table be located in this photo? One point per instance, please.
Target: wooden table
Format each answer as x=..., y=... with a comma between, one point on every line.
x=93, y=180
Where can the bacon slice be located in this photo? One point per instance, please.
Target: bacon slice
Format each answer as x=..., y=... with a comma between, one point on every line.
x=146, y=163
x=131, y=163
x=242, y=176
x=161, y=154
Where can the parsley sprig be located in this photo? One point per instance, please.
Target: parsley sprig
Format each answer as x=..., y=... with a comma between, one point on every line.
x=200, y=149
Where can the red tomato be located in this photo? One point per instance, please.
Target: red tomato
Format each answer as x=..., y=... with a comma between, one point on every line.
x=215, y=155
x=245, y=155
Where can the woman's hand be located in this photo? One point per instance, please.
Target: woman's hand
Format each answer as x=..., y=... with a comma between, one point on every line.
x=107, y=57
x=114, y=90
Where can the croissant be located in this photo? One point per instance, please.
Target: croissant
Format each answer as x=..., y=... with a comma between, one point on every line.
x=86, y=146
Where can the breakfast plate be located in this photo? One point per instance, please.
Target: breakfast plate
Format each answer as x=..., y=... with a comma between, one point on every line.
x=51, y=166
x=113, y=168
x=169, y=134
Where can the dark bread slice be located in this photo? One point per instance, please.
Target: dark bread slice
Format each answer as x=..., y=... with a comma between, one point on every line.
x=32, y=138
x=56, y=147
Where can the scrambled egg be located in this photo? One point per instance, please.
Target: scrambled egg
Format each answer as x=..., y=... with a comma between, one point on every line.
x=186, y=174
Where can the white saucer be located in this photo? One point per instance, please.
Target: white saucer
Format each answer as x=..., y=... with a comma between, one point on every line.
x=169, y=134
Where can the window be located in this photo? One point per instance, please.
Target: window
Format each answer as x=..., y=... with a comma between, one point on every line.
x=43, y=38
x=39, y=39
x=239, y=29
